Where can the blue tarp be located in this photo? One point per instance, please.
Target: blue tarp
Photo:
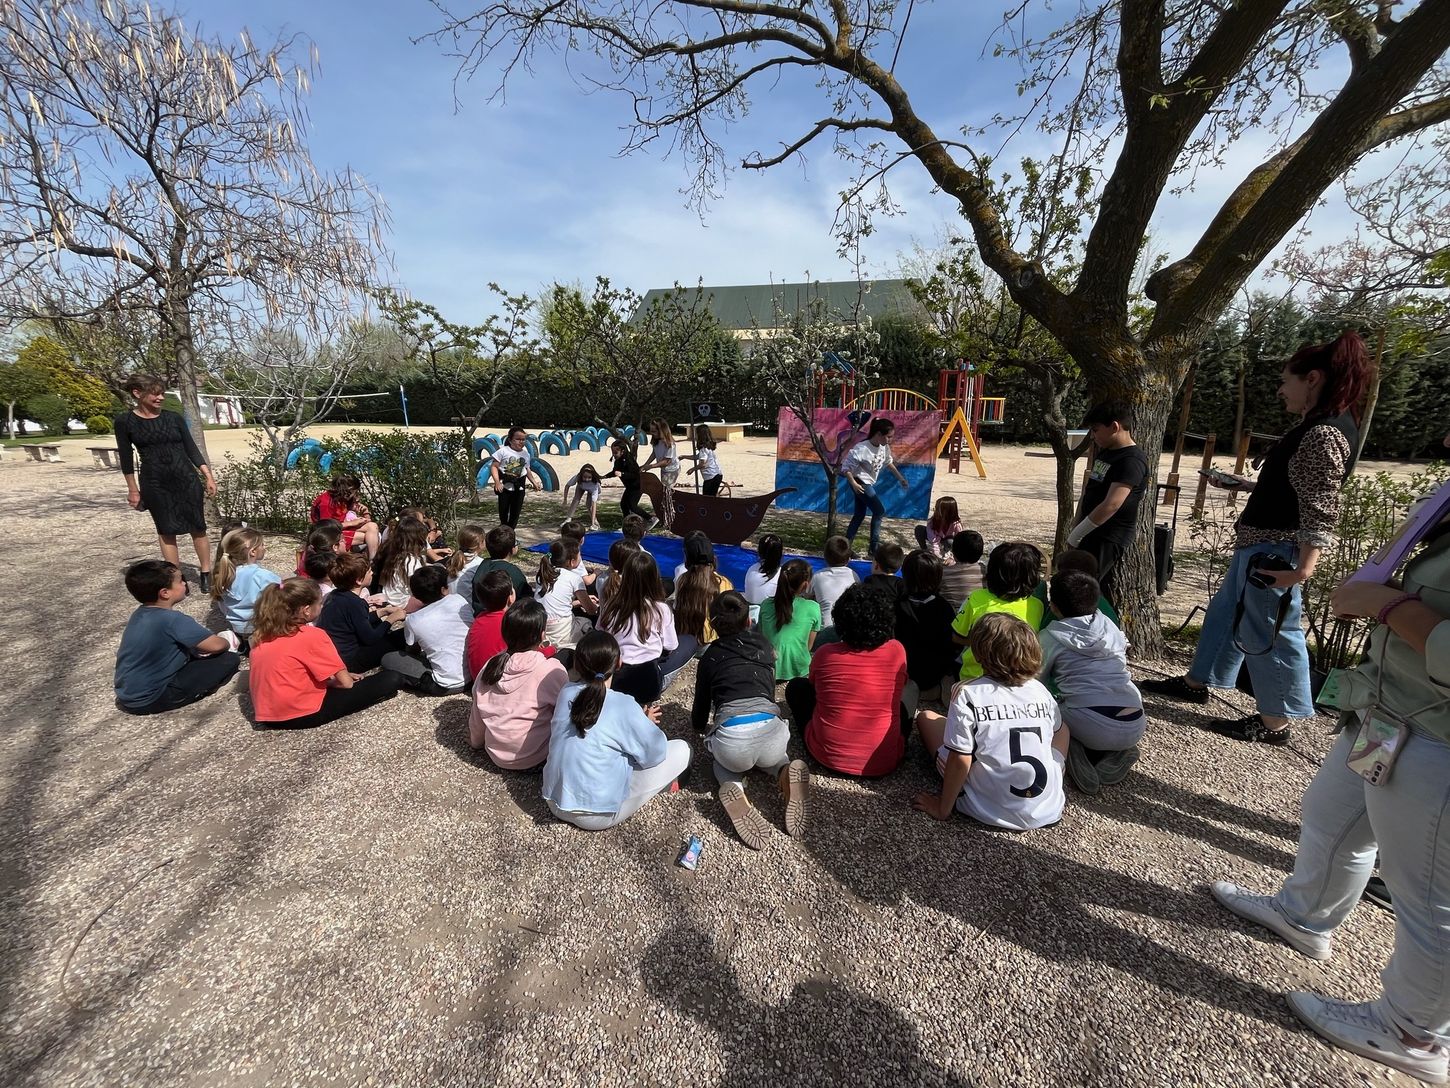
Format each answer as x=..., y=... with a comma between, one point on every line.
x=731, y=560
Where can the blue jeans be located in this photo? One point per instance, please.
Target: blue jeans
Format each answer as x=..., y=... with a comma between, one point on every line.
x=1343, y=820
x=1280, y=676
x=867, y=499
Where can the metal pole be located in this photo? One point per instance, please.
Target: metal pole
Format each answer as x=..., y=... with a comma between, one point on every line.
x=404, y=397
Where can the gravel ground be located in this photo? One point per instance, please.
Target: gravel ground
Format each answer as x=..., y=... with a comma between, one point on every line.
x=189, y=902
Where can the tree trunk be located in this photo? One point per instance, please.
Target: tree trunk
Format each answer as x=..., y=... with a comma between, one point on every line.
x=831, y=481
x=1372, y=397
x=188, y=375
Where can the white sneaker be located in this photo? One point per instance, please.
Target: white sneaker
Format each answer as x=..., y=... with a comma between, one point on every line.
x=1360, y=1028
x=1260, y=910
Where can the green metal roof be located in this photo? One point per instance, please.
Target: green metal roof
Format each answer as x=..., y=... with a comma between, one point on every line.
x=742, y=307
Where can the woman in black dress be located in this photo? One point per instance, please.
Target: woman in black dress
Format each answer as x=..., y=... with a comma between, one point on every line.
x=173, y=472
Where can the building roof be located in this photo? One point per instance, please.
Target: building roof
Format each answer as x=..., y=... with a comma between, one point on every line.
x=738, y=308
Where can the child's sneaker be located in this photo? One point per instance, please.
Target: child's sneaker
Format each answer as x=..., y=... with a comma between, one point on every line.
x=750, y=825
x=1260, y=910
x=1080, y=768
x=795, y=783
x=1361, y=1029
x=1114, y=766
x=1250, y=728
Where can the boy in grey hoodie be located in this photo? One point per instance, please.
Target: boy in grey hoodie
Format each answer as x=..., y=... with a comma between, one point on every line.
x=736, y=680
x=1084, y=658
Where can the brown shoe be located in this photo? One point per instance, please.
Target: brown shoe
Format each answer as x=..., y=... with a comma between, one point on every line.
x=795, y=783
x=749, y=824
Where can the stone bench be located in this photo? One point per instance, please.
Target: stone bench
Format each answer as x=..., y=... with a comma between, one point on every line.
x=42, y=452
x=105, y=456
x=726, y=432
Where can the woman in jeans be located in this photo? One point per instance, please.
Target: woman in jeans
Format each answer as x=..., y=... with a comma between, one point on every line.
x=1405, y=683
x=1255, y=617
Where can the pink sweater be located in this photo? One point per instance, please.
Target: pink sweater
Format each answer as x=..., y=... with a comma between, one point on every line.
x=510, y=720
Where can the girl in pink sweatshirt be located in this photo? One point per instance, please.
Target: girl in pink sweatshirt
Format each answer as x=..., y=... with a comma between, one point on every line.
x=514, y=695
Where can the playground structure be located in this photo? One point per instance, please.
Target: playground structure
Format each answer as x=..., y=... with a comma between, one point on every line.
x=960, y=400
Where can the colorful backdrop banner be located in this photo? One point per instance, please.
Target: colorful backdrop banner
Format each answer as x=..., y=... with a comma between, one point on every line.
x=913, y=447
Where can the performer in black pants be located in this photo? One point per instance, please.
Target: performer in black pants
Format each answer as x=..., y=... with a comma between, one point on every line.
x=626, y=467
x=511, y=471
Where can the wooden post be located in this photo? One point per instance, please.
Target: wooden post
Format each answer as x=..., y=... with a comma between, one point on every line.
x=1183, y=414
x=1202, y=495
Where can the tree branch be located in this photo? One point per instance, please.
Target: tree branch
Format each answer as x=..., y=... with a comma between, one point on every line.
x=821, y=126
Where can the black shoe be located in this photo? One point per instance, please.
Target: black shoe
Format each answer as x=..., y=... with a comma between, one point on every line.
x=1176, y=687
x=1376, y=892
x=1251, y=729
x=204, y=582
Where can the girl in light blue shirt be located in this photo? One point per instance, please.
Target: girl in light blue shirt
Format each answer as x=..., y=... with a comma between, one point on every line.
x=238, y=578
x=607, y=757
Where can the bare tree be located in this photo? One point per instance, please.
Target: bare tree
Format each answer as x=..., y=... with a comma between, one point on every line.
x=1145, y=91
x=470, y=365
x=145, y=169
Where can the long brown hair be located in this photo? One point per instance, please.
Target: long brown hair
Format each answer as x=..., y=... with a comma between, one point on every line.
x=470, y=543
x=279, y=608
x=944, y=516
x=562, y=554
x=406, y=540
x=697, y=587
x=663, y=432
x=636, y=597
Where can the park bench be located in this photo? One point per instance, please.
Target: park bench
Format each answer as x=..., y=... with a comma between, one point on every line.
x=42, y=452
x=105, y=456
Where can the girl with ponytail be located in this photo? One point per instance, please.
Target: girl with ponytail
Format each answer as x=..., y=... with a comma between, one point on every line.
x=635, y=613
x=297, y=679
x=760, y=579
x=515, y=693
x=607, y=756
x=563, y=582
x=1254, y=620
x=790, y=620
x=238, y=579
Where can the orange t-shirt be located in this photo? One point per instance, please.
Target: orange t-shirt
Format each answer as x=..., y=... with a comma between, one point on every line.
x=289, y=674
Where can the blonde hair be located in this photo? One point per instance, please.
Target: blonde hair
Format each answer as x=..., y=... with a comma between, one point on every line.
x=470, y=543
x=279, y=607
x=234, y=551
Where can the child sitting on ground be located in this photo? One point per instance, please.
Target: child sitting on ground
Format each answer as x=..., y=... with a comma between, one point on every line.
x=573, y=530
x=403, y=552
x=1078, y=560
x=485, y=634
x=502, y=546
x=697, y=583
x=360, y=634
x=318, y=566
x=607, y=755
x=439, y=630
x=827, y=585
x=238, y=578
x=964, y=574
x=1086, y=657
x=463, y=564
x=516, y=691
x=760, y=579
x=1013, y=571
x=790, y=621
x=324, y=538
x=924, y=629
x=166, y=659
x=884, y=564
x=605, y=580
x=635, y=613
x=297, y=678
x=564, y=586
x=1000, y=748
x=736, y=679
x=849, y=708
x=943, y=525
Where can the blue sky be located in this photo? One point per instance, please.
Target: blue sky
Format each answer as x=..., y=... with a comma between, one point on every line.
x=532, y=189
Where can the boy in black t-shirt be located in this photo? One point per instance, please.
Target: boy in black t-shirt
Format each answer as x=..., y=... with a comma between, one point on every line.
x=1114, y=489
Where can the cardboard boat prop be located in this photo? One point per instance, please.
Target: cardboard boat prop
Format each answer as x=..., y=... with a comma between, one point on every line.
x=724, y=520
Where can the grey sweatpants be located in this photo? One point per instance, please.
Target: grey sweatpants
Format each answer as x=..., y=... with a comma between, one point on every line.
x=739, y=749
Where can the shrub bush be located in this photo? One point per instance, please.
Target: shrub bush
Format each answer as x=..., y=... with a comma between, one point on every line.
x=49, y=410
x=258, y=490
x=100, y=425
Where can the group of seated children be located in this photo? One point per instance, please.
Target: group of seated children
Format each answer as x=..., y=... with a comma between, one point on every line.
x=856, y=659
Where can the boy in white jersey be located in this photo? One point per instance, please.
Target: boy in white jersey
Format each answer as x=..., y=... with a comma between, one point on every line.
x=1001, y=747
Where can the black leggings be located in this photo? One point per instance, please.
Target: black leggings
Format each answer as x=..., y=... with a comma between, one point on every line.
x=340, y=702
x=629, y=501
x=712, y=485
x=644, y=682
x=195, y=680
x=510, y=506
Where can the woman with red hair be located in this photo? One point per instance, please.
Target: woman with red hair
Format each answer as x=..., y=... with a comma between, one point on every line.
x=1254, y=618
